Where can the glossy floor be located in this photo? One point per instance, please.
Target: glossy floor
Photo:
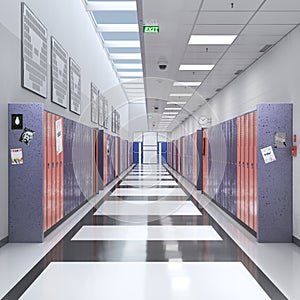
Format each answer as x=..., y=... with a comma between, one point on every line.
x=138, y=255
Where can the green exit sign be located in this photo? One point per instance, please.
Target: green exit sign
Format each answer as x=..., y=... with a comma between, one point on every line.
x=153, y=29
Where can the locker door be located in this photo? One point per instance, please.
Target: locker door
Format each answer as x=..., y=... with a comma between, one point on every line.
x=61, y=170
x=247, y=169
x=104, y=159
x=255, y=170
x=49, y=171
x=239, y=166
x=45, y=170
x=251, y=173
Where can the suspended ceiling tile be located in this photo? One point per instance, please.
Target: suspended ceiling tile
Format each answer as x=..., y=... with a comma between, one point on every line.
x=277, y=17
x=257, y=39
x=267, y=29
x=120, y=36
x=203, y=49
x=282, y=5
x=225, y=18
x=115, y=17
x=242, y=55
x=225, y=5
x=199, y=55
x=217, y=29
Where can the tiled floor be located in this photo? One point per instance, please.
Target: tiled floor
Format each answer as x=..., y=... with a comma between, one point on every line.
x=145, y=241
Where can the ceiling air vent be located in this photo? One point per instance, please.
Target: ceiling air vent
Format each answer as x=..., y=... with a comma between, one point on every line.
x=218, y=90
x=238, y=72
x=265, y=48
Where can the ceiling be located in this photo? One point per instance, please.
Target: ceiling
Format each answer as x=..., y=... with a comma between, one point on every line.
x=256, y=25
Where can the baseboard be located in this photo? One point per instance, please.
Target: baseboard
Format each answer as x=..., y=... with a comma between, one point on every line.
x=296, y=241
x=3, y=241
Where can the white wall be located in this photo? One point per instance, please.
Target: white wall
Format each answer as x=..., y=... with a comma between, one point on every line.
x=274, y=78
x=70, y=24
x=137, y=119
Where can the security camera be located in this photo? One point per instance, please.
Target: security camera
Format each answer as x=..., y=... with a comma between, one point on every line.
x=162, y=65
x=156, y=107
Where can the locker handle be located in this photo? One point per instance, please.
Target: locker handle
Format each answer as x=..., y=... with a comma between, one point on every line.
x=57, y=164
x=52, y=164
x=61, y=163
x=48, y=165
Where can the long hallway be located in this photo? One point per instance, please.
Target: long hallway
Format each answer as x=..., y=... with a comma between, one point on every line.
x=151, y=239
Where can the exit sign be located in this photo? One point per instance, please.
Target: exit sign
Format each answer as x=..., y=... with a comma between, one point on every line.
x=153, y=29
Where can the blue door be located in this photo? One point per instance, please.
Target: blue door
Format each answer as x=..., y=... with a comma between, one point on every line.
x=162, y=148
x=137, y=152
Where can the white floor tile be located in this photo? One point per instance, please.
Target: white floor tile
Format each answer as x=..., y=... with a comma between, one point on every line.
x=148, y=208
x=144, y=281
x=147, y=233
x=149, y=183
x=149, y=177
x=167, y=192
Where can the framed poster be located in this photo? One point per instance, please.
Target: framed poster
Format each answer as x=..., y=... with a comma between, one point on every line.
x=100, y=110
x=94, y=103
x=118, y=123
x=75, y=87
x=59, y=74
x=34, y=53
x=113, y=127
x=105, y=113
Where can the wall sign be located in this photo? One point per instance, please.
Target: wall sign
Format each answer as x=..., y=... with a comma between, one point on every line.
x=59, y=140
x=75, y=87
x=34, y=53
x=59, y=74
x=94, y=103
x=151, y=28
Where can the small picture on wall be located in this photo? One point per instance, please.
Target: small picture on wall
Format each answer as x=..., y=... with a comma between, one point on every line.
x=100, y=110
x=94, y=103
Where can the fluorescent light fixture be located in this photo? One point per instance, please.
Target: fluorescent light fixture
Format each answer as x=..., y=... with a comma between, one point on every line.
x=129, y=81
x=129, y=56
x=111, y=6
x=186, y=83
x=180, y=95
x=130, y=74
x=122, y=44
x=177, y=103
x=196, y=67
x=173, y=108
x=168, y=117
x=118, y=28
x=203, y=39
x=129, y=66
x=134, y=91
x=170, y=113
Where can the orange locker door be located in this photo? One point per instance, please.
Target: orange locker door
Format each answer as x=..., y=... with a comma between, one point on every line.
x=49, y=170
x=53, y=171
x=61, y=175
x=238, y=123
x=57, y=177
x=243, y=168
x=251, y=202
x=255, y=171
x=247, y=169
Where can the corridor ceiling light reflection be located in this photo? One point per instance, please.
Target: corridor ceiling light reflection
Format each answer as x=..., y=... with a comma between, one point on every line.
x=118, y=28
x=170, y=113
x=122, y=44
x=130, y=74
x=126, y=56
x=187, y=83
x=203, y=39
x=196, y=67
x=129, y=66
x=173, y=108
x=176, y=103
x=111, y=6
x=180, y=95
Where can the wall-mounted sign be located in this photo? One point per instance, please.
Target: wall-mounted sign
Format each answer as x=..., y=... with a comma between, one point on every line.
x=59, y=141
x=280, y=140
x=151, y=28
x=16, y=156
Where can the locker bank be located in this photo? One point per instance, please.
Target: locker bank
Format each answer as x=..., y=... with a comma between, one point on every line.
x=149, y=149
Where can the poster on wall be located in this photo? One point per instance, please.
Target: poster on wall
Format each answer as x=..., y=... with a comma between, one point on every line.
x=59, y=74
x=268, y=154
x=100, y=110
x=113, y=119
x=16, y=156
x=59, y=140
x=34, y=53
x=118, y=124
x=94, y=103
x=75, y=87
x=105, y=114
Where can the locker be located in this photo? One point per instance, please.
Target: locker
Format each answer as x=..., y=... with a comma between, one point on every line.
x=243, y=168
x=246, y=184
x=251, y=178
x=239, y=166
x=255, y=171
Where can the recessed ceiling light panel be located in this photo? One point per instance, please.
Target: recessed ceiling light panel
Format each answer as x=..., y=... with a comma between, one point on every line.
x=203, y=39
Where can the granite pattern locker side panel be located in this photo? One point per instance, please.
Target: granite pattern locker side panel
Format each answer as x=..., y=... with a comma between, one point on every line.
x=26, y=186
x=274, y=180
